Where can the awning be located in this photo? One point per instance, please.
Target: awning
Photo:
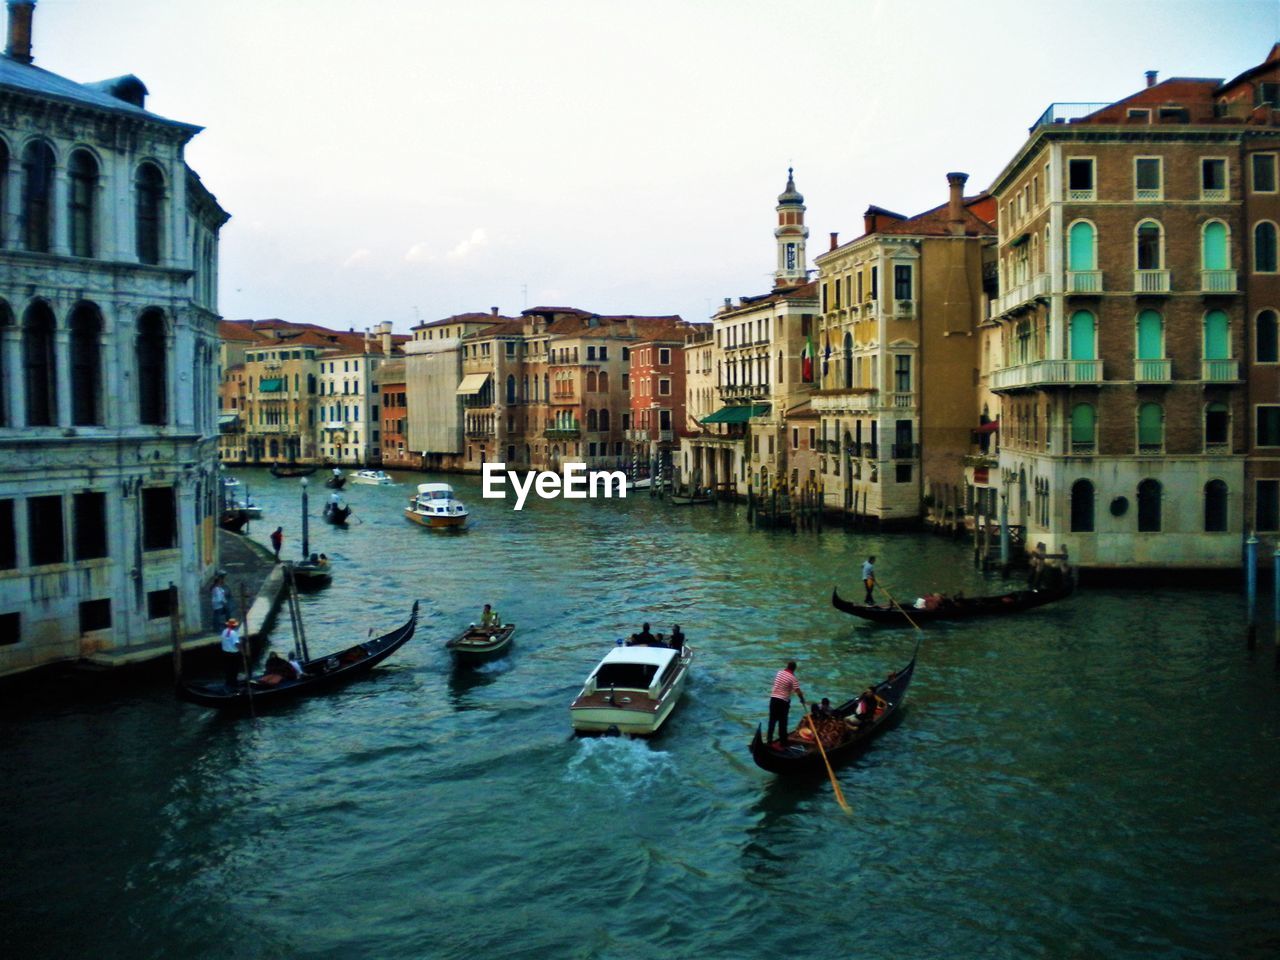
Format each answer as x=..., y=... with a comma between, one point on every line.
x=992, y=427
x=472, y=383
x=271, y=385
x=227, y=422
x=1020, y=240
x=738, y=414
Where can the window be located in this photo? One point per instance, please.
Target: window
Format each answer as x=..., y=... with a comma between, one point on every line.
x=44, y=531
x=1215, y=507
x=1268, y=345
x=151, y=351
x=1148, y=181
x=1266, y=506
x=148, y=205
x=1149, y=493
x=1082, y=507
x=1080, y=178
x=89, y=526
x=37, y=196
x=1264, y=173
x=1264, y=247
x=1217, y=338
x=159, y=604
x=664, y=356
x=511, y=390
x=591, y=353
x=95, y=615
x=1137, y=113
x=10, y=629
x=664, y=418
x=8, y=537
x=39, y=366
x=1081, y=252
x=1150, y=335
x=159, y=518
x=81, y=197
x=1083, y=425
x=1217, y=427
x=664, y=387
x=86, y=366
x=1213, y=179
x=1150, y=428
x=1268, y=426
x=1083, y=341
x=902, y=373
x=604, y=353
x=902, y=282
x=1149, y=253
x=1214, y=252
x=848, y=360
x=902, y=473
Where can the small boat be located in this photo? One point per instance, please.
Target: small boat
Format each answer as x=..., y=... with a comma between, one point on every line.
x=681, y=500
x=249, y=507
x=375, y=477
x=436, y=506
x=477, y=644
x=230, y=482
x=318, y=674
x=336, y=513
x=285, y=470
x=312, y=573
x=956, y=608
x=336, y=481
x=842, y=736
x=644, y=483
x=632, y=690
x=233, y=520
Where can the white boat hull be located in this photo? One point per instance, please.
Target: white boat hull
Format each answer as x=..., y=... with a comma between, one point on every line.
x=629, y=711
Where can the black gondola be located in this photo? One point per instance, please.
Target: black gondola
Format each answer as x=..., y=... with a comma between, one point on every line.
x=318, y=675
x=233, y=519
x=337, y=513
x=802, y=757
x=956, y=608
x=286, y=470
x=478, y=644
x=336, y=481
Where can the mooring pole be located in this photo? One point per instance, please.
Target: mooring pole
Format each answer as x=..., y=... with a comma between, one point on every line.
x=1251, y=587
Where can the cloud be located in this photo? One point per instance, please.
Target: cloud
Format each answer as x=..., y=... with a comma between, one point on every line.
x=479, y=238
x=363, y=255
x=419, y=253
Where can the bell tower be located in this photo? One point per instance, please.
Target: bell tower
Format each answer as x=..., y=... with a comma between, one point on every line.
x=791, y=234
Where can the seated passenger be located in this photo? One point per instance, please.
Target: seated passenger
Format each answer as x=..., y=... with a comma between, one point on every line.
x=489, y=617
x=823, y=710
x=644, y=637
x=677, y=638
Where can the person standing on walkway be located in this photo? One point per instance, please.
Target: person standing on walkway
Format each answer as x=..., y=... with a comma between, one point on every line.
x=277, y=540
x=221, y=601
x=869, y=579
x=784, y=684
x=232, y=659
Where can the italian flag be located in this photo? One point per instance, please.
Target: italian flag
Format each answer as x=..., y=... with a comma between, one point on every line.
x=806, y=360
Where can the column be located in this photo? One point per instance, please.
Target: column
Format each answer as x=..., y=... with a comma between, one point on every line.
x=62, y=374
x=60, y=242
x=14, y=406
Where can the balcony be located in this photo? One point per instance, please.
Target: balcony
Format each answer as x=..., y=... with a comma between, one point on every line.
x=1219, y=371
x=1152, y=371
x=1047, y=373
x=902, y=401
x=1063, y=112
x=1084, y=281
x=666, y=436
x=904, y=308
x=1082, y=449
x=1218, y=281
x=479, y=433
x=736, y=390
x=570, y=432
x=844, y=399
x=1218, y=449
x=906, y=451
x=1151, y=281
x=1150, y=449
x=1023, y=293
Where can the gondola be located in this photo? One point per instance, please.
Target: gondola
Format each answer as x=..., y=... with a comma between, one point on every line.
x=336, y=514
x=958, y=608
x=233, y=519
x=318, y=674
x=337, y=481
x=313, y=573
x=286, y=470
x=802, y=757
x=478, y=644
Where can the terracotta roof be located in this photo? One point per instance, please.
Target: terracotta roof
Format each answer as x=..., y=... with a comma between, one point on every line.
x=937, y=223
x=1272, y=61
x=505, y=327
x=240, y=330
x=800, y=292
x=485, y=317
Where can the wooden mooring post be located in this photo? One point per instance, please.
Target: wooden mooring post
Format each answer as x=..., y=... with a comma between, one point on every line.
x=1251, y=588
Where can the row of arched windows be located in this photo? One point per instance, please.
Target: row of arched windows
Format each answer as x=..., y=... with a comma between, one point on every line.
x=1150, y=494
x=1149, y=246
x=39, y=346
x=1082, y=335
x=1149, y=420
x=41, y=223
x=597, y=421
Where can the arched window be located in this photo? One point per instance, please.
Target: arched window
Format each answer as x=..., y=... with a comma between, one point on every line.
x=1150, y=335
x=1217, y=426
x=546, y=386
x=1083, y=341
x=40, y=366
x=1264, y=247
x=86, y=366
x=604, y=421
x=1215, y=507
x=1082, y=507
x=1150, y=428
x=152, y=369
x=1149, y=247
x=524, y=389
x=37, y=196
x=591, y=381
x=1267, y=347
x=1083, y=428
x=1082, y=253
x=593, y=421
x=1214, y=252
x=82, y=201
x=848, y=360
x=511, y=388
x=1149, y=506
x=603, y=382
x=1217, y=342
x=781, y=378
x=149, y=205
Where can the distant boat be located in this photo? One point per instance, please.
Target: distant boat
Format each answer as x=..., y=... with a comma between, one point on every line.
x=632, y=690
x=435, y=506
x=233, y=520
x=285, y=470
x=337, y=513
x=477, y=644
x=336, y=481
x=956, y=608
x=681, y=500
x=249, y=506
x=376, y=477
x=312, y=573
x=230, y=482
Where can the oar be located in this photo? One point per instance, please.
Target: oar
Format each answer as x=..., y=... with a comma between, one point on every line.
x=899, y=606
x=244, y=649
x=817, y=738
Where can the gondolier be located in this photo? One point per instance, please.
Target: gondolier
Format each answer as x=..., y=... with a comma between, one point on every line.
x=232, y=659
x=869, y=579
x=784, y=684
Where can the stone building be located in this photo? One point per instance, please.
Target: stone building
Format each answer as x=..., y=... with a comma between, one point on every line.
x=395, y=411
x=349, y=402
x=108, y=366
x=657, y=414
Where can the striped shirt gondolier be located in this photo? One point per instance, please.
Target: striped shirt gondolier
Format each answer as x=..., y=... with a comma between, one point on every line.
x=785, y=684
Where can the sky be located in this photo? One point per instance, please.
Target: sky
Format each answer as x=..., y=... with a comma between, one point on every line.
x=407, y=160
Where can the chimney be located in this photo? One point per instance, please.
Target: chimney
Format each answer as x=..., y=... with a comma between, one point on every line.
x=384, y=329
x=835, y=240
x=955, y=203
x=869, y=221
x=1151, y=77
x=20, y=13
x=493, y=311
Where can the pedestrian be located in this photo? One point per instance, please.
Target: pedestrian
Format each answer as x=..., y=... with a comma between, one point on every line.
x=232, y=659
x=784, y=684
x=221, y=601
x=277, y=540
x=869, y=579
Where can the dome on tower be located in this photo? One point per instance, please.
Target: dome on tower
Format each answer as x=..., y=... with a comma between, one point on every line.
x=791, y=194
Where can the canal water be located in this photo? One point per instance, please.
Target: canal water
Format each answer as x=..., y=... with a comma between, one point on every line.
x=1095, y=778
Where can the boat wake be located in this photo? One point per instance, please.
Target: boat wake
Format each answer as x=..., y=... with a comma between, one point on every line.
x=631, y=766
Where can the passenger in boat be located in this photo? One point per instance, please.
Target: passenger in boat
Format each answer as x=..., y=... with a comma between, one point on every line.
x=232, y=659
x=489, y=617
x=277, y=669
x=677, y=638
x=869, y=579
x=644, y=638
x=296, y=663
x=784, y=684
x=868, y=703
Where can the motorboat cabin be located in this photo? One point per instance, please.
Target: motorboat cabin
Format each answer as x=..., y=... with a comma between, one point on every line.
x=632, y=690
x=435, y=505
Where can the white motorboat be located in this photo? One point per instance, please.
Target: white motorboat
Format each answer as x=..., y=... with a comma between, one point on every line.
x=375, y=477
x=249, y=506
x=435, y=505
x=632, y=690
x=230, y=483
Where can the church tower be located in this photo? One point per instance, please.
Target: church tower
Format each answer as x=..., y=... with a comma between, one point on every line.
x=791, y=234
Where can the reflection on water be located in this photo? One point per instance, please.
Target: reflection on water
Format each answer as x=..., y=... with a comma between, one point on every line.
x=1054, y=785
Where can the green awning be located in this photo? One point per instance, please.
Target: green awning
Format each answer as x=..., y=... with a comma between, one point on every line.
x=271, y=385
x=738, y=414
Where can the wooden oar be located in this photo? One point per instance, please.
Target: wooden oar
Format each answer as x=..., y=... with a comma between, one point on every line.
x=899, y=606
x=835, y=785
